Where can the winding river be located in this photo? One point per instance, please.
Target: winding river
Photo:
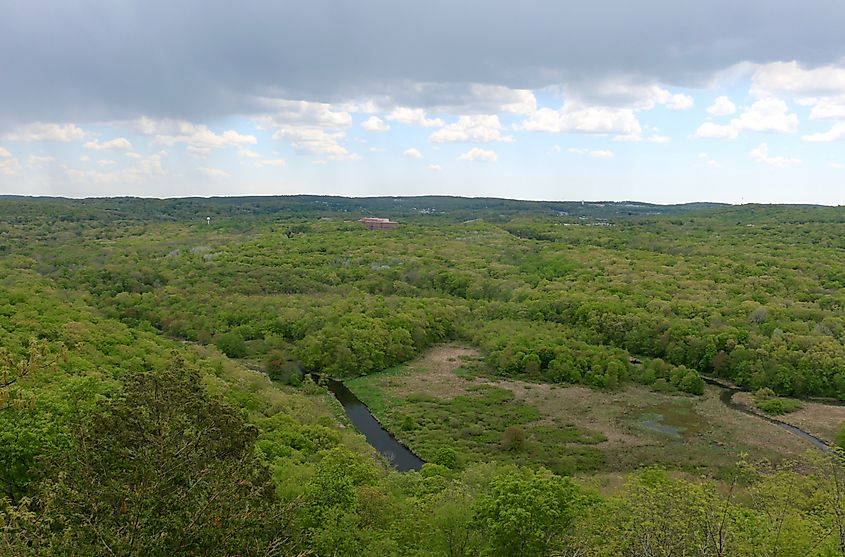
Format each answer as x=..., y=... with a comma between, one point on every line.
x=384, y=442
x=726, y=397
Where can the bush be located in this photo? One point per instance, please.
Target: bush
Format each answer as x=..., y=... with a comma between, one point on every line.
x=232, y=344
x=764, y=393
x=513, y=439
x=777, y=406
x=446, y=456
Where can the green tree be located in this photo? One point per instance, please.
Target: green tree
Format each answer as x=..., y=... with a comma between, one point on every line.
x=232, y=344
x=528, y=513
x=162, y=470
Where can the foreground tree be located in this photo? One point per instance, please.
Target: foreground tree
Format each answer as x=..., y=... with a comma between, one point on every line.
x=163, y=470
x=528, y=513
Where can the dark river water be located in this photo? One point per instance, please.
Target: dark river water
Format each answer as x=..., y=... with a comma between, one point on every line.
x=727, y=399
x=398, y=454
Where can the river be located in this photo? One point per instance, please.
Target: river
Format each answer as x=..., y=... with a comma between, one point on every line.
x=384, y=442
x=726, y=397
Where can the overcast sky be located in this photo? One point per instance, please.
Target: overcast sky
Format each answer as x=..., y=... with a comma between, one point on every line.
x=734, y=101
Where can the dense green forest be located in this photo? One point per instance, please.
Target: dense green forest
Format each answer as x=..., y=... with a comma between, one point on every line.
x=156, y=394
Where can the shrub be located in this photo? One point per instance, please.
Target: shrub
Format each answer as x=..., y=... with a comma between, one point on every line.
x=777, y=406
x=446, y=456
x=513, y=438
x=232, y=344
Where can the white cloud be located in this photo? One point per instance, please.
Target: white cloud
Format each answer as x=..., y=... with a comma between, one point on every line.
x=42, y=131
x=85, y=158
x=38, y=160
x=375, y=124
x=637, y=137
x=308, y=113
x=145, y=168
x=248, y=154
x=482, y=128
x=769, y=114
x=790, y=77
x=198, y=139
x=376, y=149
x=413, y=153
x=825, y=107
x=106, y=162
x=414, y=117
x=278, y=163
x=679, y=101
x=503, y=99
x=9, y=166
x=476, y=154
x=709, y=161
x=311, y=128
x=213, y=172
x=837, y=165
x=834, y=133
x=761, y=154
x=136, y=156
x=722, y=106
x=4, y=153
x=117, y=143
x=589, y=119
x=435, y=168
x=599, y=154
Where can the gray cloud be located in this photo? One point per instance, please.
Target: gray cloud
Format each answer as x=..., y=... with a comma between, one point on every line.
x=198, y=59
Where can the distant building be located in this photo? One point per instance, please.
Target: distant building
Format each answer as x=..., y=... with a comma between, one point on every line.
x=373, y=223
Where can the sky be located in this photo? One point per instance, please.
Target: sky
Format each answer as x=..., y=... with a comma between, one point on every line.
x=734, y=101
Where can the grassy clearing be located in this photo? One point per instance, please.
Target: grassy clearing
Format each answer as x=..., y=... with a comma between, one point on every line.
x=446, y=398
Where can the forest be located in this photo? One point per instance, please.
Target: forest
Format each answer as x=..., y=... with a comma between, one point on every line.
x=161, y=391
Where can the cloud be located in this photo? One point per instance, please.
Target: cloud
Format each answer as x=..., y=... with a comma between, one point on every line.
x=649, y=139
x=9, y=166
x=198, y=139
x=412, y=153
x=709, y=161
x=769, y=114
x=722, y=106
x=38, y=160
x=827, y=107
x=248, y=154
x=41, y=131
x=138, y=173
x=435, y=168
x=482, y=128
x=375, y=124
x=761, y=154
x=4, y=153
x=223, y=58
x=476, y=154
x=212, y=172
x=462, y=98
x=277, y=163
x=414, y=117
x=590, y=119
x=679, y=101
x=834, y=133
x=310, y=127
x=791, y=77
x=837, y=165
x=117, y=143
x=85, y=158
x=106, y=162
x=598, y=154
